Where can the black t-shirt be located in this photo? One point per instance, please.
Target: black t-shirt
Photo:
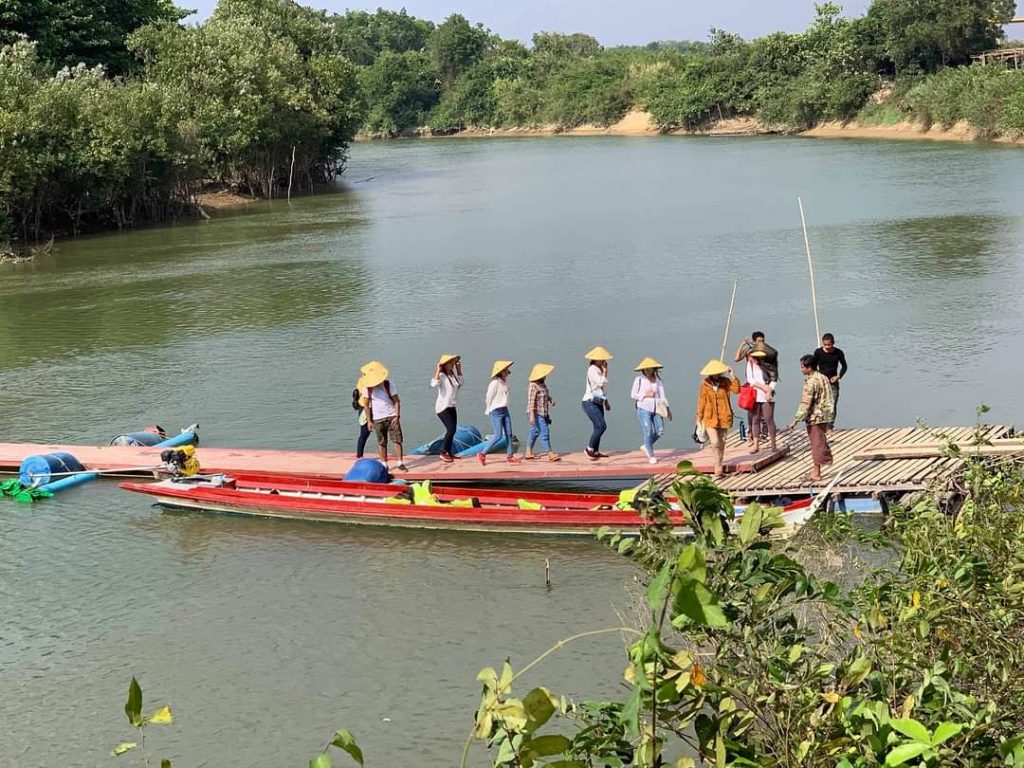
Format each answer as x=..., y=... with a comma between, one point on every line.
x=830, y=363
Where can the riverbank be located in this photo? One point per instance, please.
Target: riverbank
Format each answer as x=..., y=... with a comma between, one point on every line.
x=640, y=123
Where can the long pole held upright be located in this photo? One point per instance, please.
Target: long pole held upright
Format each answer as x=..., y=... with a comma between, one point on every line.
x=728, y=322
x=810, y=268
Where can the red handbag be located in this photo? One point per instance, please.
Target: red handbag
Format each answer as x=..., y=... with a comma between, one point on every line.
x=748, y=398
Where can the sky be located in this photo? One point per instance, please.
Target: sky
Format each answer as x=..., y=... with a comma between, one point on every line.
x=612, y=22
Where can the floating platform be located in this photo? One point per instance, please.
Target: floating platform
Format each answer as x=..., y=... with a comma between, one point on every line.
x=620, y=469
x=869, y=462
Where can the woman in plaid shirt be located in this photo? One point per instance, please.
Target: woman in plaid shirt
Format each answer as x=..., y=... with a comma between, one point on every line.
x=538, y=405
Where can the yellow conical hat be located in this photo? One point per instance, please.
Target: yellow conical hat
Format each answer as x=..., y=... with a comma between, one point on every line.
x=447, y=359
x=499, y=366
x=370, y=365
x=648, y=362
x=598, y=353
x=714, y=368
x=540, y=371
x=375, y=375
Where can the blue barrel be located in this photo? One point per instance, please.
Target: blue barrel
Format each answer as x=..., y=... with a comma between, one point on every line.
x=137, y=439
x=367, y=471
x=37, y=470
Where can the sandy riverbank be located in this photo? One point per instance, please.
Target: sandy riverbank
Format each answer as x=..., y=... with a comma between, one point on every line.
x=903, y=131
x=216, y=199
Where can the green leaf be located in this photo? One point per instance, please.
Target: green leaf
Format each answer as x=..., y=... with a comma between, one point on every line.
x=912, y=730
x=552, y=744
x=750, y=523
x=133, y=707
x=506, y=677
x=698, y=603
x=489, y=677
x=345, y=741
x=691, y=562
x=539, y=708
x=905, y=752
x=165, y=763
x=565, y=764
x=124, y=746
x=161, y=717
x=856, y=672
x=658, y=589
x=320, y=761
x=630, y=714
x=944, y=732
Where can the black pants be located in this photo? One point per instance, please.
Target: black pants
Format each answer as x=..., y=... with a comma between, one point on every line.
x=449, y=418
x=364, y=435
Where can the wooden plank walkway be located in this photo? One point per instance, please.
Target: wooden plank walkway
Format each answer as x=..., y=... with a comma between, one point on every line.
x=860, y=476
x=620, y=470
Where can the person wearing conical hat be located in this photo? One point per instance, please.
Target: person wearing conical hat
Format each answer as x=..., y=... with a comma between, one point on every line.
x=447, y=380
x=383, y=410
x=714, y=407
x=496, y=407
x=595, y=398
x=538, y=408
x=759, y=376
x=652, y=409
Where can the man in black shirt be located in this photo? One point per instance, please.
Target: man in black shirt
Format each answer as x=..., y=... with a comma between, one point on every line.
x=830, y=360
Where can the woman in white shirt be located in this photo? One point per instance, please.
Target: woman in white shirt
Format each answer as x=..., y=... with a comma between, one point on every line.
x=447, y=381
x=760, y=379
x=651, y=406
x=496, y=406
x=595, y=398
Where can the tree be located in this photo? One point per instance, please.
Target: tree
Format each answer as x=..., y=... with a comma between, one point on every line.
x=923, y=35
x=363, y=36
x=455, y=46
x=560, y=46
x=401, y=89
x=69, y=32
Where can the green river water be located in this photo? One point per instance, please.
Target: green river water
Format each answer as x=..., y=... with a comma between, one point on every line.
x=265, y=635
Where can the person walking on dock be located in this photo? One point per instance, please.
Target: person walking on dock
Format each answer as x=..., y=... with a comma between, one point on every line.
x=383, y=411
x=714, y=407
x=648, y=394
x=769, y=364
x=447, y=380
x=818, y=411
x=595, y=398
x=831, y=363
x=760, y=377
x=538, y=408
x=496, y=407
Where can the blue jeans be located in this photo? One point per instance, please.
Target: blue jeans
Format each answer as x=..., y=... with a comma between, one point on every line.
x=539, y=428
x=595, y=412
x=653, y=427
x=501, y=424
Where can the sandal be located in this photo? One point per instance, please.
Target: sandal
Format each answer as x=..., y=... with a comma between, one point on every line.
x=554, y=457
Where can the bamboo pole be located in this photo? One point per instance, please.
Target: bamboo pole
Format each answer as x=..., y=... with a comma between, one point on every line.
x=728, y=322
x=810, y=269
x=291, y=171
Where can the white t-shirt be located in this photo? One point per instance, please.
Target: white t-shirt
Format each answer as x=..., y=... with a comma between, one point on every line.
x=382, y=406
x=755, y=376
x=497, y=395
x=447, y=387
x=647, y=393
x=596, y=382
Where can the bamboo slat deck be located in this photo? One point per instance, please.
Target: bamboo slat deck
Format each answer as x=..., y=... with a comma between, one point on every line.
x=860, y=477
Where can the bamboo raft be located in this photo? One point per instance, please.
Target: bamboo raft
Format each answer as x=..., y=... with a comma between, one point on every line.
x=870, y=462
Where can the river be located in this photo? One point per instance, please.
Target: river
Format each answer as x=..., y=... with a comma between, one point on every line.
x=265, y=636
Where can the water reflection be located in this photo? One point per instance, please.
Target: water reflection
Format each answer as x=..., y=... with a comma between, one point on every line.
x=944, y=247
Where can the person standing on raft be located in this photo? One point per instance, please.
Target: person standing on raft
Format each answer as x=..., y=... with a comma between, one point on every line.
x=830, y=362
x=538, y=408
x=595, y=398
x=817, y=409
x=496, y=407
x=447, y=381
x=714, y=407
x=648, y=393
x=383, y=411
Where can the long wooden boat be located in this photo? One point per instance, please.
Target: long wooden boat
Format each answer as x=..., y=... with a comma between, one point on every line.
x=464, y=509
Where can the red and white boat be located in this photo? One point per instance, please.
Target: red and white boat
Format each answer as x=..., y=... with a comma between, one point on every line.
x=464, y=509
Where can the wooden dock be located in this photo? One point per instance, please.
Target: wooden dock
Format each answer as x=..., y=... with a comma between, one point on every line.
x=620, y=470
x=870, y=462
